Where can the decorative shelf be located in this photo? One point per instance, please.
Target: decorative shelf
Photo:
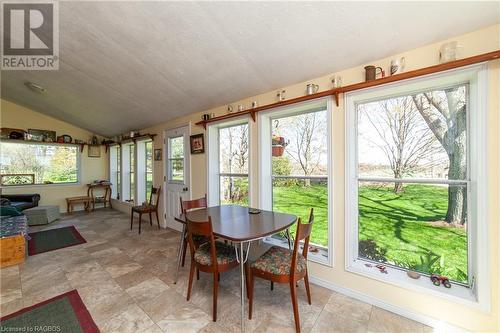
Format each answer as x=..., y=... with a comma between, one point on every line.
x=337, y=91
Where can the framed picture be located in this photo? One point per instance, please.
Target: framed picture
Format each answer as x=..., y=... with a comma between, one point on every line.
x=94, y=150
x=197, y=144
x=157, y=154
x=42, y=135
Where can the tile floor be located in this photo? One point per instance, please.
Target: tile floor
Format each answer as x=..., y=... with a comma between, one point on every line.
x=126, y=282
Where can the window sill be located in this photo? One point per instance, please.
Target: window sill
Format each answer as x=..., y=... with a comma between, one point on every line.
x=457, y=293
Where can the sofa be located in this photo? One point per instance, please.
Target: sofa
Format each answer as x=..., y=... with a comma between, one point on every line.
x=20, y=201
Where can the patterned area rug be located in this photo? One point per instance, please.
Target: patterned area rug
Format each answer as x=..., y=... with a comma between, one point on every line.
x=63, y=313
x=53, y=239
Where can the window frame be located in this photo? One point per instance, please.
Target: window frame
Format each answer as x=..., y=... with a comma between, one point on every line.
x=115, y=168
x=213, y=156
x=476, y=75
x=78, y=163
x=265, y=166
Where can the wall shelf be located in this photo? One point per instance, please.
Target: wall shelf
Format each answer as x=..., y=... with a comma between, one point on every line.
x=337, y=91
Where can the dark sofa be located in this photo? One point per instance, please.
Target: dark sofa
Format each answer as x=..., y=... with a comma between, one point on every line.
x=20, y=201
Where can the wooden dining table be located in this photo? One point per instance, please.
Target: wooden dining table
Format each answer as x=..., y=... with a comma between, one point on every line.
x=241, y=225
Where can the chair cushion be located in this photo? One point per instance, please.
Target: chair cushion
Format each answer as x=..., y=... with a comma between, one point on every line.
x=277, y=260
x=225, y=254
x=144, y=208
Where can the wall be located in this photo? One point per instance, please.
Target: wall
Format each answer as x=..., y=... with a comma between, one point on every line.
x=16, y=116
x=420, y=305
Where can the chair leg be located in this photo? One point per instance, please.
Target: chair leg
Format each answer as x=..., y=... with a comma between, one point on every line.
x=293, y=293
x=131, y=220
x=140, y=221
x=250, y=293
x=150, y=219
x=247, y=278
x=289, y=239
x=197, y=274
x=190, y=283
x=308, y=291
x=216, y=290
x=184, y=250
x=272, y=285
x=157, y=219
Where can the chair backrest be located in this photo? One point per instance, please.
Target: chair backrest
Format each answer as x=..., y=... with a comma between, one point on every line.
x=154, y=198
x=193, y=204
x=303, y=233
x=201, y=228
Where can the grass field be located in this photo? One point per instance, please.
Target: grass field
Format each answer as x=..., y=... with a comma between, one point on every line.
x=392, y=227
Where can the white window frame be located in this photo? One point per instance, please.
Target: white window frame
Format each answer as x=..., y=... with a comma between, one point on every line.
x=478, y=295
x=213, y=165
x=125, y=173
x=113, y=169
x=265, y=165
x=140, y=170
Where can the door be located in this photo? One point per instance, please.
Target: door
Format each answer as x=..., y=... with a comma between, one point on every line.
x=177, y=175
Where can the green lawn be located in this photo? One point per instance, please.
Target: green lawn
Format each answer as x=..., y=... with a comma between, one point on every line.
x=392, y=227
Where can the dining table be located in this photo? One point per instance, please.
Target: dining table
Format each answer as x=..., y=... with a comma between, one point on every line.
x=240, y=225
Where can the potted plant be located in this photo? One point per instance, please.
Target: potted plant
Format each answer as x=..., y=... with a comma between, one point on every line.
x=278, y=145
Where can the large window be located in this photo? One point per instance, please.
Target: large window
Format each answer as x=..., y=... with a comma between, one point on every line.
x=148, y=156
x=38, y=163
x=114, y=170
x=176, y=159
x=131, y=152
x=233, y=164
x=414, y=185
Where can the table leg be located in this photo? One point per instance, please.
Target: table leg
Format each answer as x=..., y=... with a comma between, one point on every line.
x=242, y=282
x=179, y=255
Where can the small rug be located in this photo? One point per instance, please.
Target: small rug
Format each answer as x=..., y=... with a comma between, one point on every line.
x=53, y=239
x=63, y=313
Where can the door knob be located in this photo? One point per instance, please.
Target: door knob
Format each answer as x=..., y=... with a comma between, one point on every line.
x=185, y=189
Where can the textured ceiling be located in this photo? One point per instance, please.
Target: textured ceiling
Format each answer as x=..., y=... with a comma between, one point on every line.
x=129, y=65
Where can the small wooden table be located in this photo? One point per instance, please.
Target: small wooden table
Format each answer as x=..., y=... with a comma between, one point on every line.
x=85, y=200
x=236, y=224
x=105, y=199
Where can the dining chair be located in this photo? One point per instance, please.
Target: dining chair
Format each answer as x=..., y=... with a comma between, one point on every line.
x=151, y=207
x=211, y=257
x=187, y=205
x=283, y=265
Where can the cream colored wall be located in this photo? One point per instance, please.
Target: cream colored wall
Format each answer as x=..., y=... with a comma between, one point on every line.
x=16, y=116
x=482, y=41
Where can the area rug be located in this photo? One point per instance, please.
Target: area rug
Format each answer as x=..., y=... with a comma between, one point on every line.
x=53, y=239
x=63, y=313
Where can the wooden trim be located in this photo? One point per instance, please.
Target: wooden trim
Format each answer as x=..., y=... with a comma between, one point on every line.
x=337, y=91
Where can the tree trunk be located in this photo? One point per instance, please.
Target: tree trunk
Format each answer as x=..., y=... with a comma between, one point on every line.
x=398, y=188
x=457, y=194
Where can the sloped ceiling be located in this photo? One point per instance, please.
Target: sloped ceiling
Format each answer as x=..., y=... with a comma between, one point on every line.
x=129, y=65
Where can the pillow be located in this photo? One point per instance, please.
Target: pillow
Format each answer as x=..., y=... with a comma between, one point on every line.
x=9, y=211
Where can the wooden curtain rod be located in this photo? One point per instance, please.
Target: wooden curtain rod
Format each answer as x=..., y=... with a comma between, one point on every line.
x=337, y=91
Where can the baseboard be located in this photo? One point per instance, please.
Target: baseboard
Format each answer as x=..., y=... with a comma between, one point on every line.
x=440, y=325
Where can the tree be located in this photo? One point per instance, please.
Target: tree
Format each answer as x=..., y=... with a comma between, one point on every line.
x=405, y=140
x=307, y=144
x=445, y=113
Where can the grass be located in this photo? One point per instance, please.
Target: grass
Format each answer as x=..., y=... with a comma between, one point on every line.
x=394, y=226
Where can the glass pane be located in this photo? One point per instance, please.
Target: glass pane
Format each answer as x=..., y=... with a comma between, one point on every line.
x=176, y=147
x=233, y=153
x=423, y=135
x=149, y=169
x=132, y=168
x=176, y=167
x=38, y=163
x=299, y=144
x=234, y=190
x=298, y=196
x=410, y=228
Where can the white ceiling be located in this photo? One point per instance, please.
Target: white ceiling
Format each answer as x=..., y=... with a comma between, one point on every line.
x=129, y=65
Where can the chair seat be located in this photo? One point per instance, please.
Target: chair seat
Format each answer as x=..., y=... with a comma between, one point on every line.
x=277, y=260
x=142, y=208
x=225, y=254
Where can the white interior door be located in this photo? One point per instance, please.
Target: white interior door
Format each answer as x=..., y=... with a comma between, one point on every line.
x=177, y=173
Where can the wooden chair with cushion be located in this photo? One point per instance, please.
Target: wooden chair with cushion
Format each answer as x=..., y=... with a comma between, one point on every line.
x=282, y=265
x=151, y=207
x=210, y=257
x=187, y=205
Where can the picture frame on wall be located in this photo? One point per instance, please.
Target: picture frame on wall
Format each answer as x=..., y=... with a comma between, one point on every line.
x=197, y=143
x=157, y=154
x=94, y=151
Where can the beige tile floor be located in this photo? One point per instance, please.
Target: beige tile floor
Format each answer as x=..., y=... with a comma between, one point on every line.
x=126, y=282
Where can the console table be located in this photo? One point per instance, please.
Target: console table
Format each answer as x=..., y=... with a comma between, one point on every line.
x=104, y=199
